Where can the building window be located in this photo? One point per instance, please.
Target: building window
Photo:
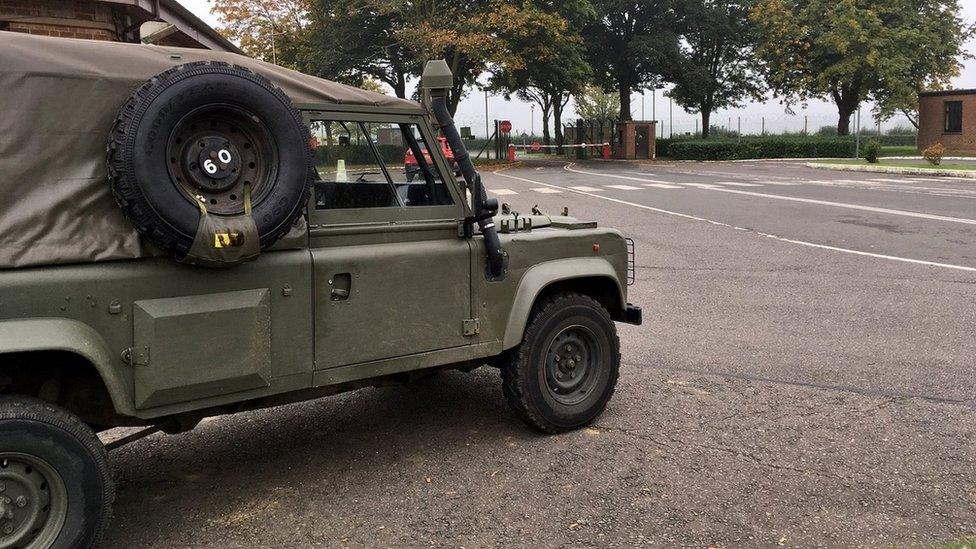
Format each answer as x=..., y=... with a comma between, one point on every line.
x=953, y=116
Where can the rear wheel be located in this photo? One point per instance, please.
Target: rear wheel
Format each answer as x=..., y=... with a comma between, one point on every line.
x=55, y=487
x=565, y=371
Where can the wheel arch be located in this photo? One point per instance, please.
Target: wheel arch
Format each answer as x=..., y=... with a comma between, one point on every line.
x=594, y=277
x=48, y=337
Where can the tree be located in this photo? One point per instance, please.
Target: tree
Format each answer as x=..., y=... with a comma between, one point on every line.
x=264, y=29
x=630, y=42
x=550, y=52
x=354, y=40
x=855, y=50
x=596, y=104
x=715, y=68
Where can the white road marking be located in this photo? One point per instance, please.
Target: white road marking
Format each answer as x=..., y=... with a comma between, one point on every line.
x=738, y=184
x=883, y=180
x=873, y=209
x=502, y=192
x=585, y=189
x=623, y=187
x=702, y=185
x=546, y=190
x=663, y=186
x=766, y=235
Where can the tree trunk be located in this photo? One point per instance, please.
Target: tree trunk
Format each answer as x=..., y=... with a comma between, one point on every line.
x=557, y=121
x=706, y=115
x=625, y=88
x=400, y=86
x=847, y=97
x=546, y=136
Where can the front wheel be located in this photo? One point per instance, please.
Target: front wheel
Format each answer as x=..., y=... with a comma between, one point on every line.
x=55, y=487
x=563, y=374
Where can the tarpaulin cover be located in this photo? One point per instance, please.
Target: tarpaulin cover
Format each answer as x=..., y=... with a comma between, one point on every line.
x=58, y=100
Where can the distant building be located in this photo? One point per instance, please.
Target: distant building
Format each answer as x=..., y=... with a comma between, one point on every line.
x=114, y=20
x=948, y=117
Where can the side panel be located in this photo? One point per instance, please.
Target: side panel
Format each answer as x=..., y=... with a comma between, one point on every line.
x=201, y=346
x=103, y=298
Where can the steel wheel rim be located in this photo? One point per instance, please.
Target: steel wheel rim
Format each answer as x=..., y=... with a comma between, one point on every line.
x=572, y=364
x=241, y=152
x=33, y=502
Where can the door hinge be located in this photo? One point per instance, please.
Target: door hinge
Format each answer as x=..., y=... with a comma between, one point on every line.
x=136, y=356
x=471, y=327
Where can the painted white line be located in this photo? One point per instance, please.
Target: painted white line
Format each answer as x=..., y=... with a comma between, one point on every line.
x=874, y=209
x=702, y=185
x=584, y=189
x=546, y=190
x=623, y=187
x=660, y=181
x=766, y=235
x=663, y=186
x=883, y=180
x=738, y=184
x=502, y=192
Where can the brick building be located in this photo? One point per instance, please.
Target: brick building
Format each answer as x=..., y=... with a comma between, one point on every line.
x=948, y=117
x=115, y=20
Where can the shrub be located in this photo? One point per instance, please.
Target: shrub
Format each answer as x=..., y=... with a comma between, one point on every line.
x=762, y=147
x=934, y=154
x=358, y=154
x=872, y=150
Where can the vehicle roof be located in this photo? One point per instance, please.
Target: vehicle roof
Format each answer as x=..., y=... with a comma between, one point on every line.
x=74, y=59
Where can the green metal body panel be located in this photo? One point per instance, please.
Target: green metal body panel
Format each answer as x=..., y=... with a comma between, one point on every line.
x=367, y=293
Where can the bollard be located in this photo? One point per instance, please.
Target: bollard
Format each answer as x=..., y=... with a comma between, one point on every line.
x=606, y=151
x=511, y=153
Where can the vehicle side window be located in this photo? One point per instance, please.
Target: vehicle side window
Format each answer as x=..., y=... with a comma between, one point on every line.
x=416, y=177
x=350, y=168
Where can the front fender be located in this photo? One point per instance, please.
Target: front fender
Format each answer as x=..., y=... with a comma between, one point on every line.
x=72, y=336
x=538, y=277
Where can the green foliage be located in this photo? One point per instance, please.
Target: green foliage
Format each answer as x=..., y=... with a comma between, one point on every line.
x=592, y=103
x=630, y=43
x=872, y=150
x=853, y=50
x=761, y=147
x=552, y=65
x=716, y=68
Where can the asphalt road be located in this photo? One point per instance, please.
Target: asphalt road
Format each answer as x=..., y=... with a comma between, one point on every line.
x=804, y=377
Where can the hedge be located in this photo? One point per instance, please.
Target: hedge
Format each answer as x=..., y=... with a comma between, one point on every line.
x=358, y=154
x=761, y=147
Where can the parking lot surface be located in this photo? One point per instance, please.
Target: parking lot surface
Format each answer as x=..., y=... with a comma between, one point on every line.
x=804, y=377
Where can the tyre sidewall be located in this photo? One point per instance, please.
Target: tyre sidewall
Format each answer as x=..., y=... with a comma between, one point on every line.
x=79, y=470
x=533, y=366
x=205, y=86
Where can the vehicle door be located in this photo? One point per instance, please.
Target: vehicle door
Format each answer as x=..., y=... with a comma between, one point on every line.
x=392, y=272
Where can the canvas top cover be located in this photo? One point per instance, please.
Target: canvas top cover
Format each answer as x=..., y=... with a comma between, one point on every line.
x=58, y=100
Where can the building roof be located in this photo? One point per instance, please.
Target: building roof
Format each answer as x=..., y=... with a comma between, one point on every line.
x=189, y=25
x=939, y=93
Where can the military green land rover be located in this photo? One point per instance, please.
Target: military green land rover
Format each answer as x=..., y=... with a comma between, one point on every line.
x=186, y=233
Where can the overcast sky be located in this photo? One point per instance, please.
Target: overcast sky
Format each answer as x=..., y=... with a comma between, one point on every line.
x=472, y=109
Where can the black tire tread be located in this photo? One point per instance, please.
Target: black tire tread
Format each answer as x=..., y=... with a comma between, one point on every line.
x=34, y=409
x=513, y=383
x=129, y=195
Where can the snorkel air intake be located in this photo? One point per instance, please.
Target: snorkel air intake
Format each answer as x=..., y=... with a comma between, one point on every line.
x=437, y=81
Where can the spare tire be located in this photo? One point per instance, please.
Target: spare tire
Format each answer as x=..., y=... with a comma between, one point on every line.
x=206, y=133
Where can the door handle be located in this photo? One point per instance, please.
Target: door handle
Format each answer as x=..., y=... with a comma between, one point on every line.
x=341, y=286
